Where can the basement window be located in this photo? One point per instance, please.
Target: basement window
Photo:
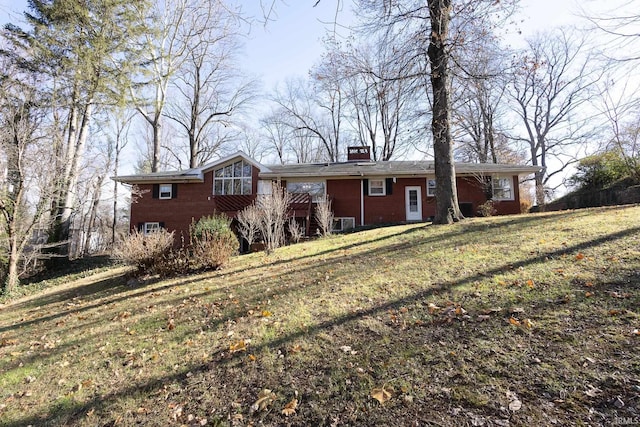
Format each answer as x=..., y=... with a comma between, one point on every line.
x=344, y=223
x=151, y=227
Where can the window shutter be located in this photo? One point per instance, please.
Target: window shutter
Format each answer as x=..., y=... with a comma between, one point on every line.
x=161, y=224
x=156, y=191
x=389, y=185
x=365, y=187
x=174, y=191
x=141, y=227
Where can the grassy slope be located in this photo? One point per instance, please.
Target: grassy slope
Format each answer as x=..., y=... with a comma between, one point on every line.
x=428, y=314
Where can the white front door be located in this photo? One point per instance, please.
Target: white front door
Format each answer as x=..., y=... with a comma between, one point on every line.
x=413, y=203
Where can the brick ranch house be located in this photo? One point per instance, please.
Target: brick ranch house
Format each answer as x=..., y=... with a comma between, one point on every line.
x=363, y=192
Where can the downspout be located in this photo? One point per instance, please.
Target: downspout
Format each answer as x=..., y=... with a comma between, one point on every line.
x=362, y=202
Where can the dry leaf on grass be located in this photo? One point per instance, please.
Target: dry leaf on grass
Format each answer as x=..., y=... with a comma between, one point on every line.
x=240, y=345
x=290, y=408
x=265, y=398
x=514, y=403
x=381, y=394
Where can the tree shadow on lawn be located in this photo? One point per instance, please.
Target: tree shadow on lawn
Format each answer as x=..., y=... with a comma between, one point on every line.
x=455, y=230
x=103, y=292
x=101, y=403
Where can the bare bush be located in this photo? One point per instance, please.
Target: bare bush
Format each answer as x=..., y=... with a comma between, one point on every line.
x=273, y=210
x=145, y=252
x=249, y=223
x=324, y=216
x=295, y=230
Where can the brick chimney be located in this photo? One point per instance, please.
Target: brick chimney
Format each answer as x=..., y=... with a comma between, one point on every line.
x=356, y=154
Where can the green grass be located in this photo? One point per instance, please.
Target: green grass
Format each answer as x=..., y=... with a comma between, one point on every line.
x=528, y=319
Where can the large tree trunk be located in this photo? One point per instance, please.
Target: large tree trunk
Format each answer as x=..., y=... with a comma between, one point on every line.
x=66, y=198
x=447, y=209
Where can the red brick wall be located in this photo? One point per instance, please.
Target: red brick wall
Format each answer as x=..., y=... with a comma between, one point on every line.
x=194, y=201
x=391, y=208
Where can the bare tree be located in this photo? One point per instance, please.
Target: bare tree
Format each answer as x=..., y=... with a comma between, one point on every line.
x=479, y=106
x=439, y=28
x=161, y=52
x=20, y=134
x=555, y=78
x=210, y=91
x=381, y=99
x=314, y=111
x=623, y=125
x=620, y=29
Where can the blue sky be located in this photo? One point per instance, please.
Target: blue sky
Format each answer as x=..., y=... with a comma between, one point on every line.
x=292, y=42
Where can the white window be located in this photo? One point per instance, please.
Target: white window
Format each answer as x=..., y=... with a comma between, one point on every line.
x=431, y=187
x=265, y=186
x=502, y=187
x=315, y=189
x=344, y=223
x=151, y=227
x=232, y=179
x=376, y=187
x=165, y=191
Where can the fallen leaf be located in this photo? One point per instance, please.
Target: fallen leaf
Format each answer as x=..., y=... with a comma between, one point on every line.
x=382, y=395
x=530, y=283
x=252, y=358
x=636, y=332
x=580, y=256
x=171, y=325
x=514, y=402
x=460, y=311
x=514, y=321
x=432, y=308
x=266, y=313
x=265, y=398
x=290, y=408
x=593, y=391
x=527, y=323
x=240, y=345
x=347, y=349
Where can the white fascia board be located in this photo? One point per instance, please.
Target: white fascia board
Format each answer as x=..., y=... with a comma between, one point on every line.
x=226, y=159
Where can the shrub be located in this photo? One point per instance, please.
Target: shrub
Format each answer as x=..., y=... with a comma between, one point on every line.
x=212, y=242
x=487, y=209
x=145, y=252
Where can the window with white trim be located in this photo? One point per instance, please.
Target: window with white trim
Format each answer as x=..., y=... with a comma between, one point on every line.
x=232, y=179
x=377, y=187
x=502, y=187
x=431, y=187
x=150, y=227
x=344, y=223
x=165, y=191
